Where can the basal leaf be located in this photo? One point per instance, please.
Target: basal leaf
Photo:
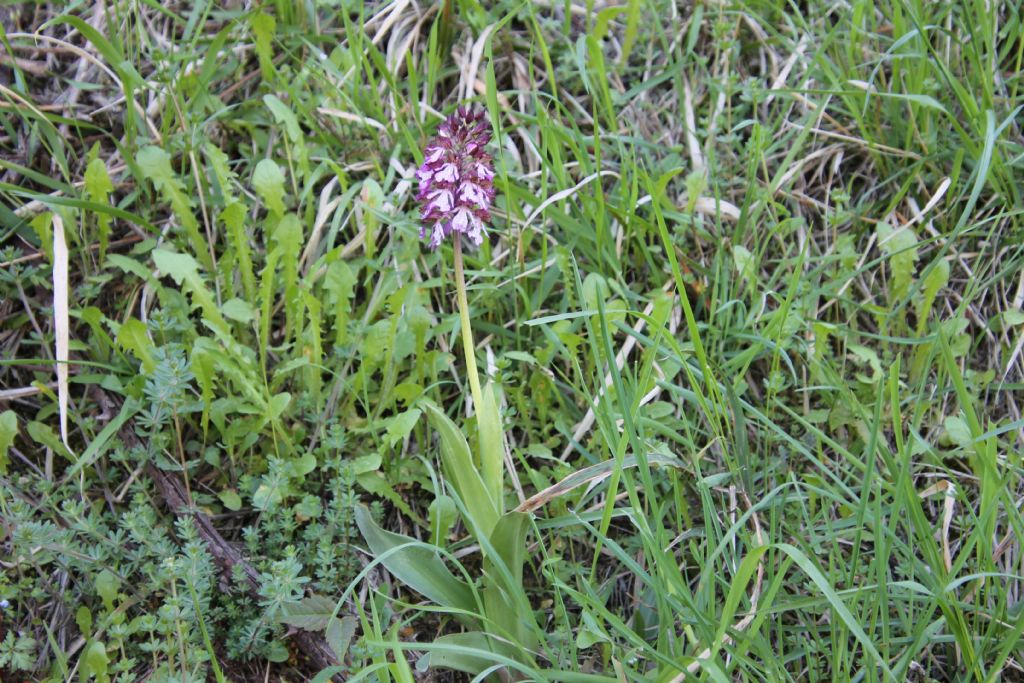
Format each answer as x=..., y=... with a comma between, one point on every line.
x=471, y=652
x=491, y=446
x=416, y=565
x=462, y=472
x=506, y=603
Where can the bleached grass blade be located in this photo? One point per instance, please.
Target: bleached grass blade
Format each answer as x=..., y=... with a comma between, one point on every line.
x=60, y=321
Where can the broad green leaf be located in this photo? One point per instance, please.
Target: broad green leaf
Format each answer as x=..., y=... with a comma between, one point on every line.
x=900, y=244
x=184, y=270
x=287, y=240
x=308, y=508
x=231, y=500
x=233, y=217
x=590, y=631
x=238, y=310
x=220, y=163
x=443, y=514
x=312, y=613
x=595, y=287
x=696, y=183
x=1013, y=317
x=419, y=320
x=407, y=392
x=416, y=565
x=42, y=225
x=278, y=404
x=520, y=356
x=130, y=265
x=284, y=115
x=366, y=463
x=131, y=337
x=746, y=264
x=462, y=472
x=83, y=619
x=340, y=282
x=204, y=368
x=94, y=661
x=339, y=634
x=376, y=483
x=155, y=164
x=268, y=495
x=268, y=180
x=505, y=601
x=277, y=652
x=371, y=200
x=401, y=425
x=472, y=652
x=8, y=430
x=43, y=434
x=958, y=431
x=604, y=19
x=107, y=583
x=99, y=187
x=491, y=446
x=263, y=27
x=865, y=355
x=936, y=279
x=303, y=465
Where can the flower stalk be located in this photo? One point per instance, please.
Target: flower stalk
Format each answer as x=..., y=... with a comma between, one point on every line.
x=468, y=347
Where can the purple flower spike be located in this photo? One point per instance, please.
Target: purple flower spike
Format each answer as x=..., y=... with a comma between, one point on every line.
x=456, y=179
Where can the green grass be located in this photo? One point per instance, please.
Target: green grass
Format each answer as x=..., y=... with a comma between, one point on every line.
x=756, y=264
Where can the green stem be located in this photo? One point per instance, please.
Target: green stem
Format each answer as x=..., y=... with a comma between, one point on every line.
x=467, y=331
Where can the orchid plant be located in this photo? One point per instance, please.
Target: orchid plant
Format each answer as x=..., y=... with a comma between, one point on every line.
x=456, y=190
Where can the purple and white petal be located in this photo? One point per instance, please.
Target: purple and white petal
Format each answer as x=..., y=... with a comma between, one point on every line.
x=434, y=154
x=448, y=173
x=461, y=220
x=474, y=194
x=483, y=172
x=475, y=231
